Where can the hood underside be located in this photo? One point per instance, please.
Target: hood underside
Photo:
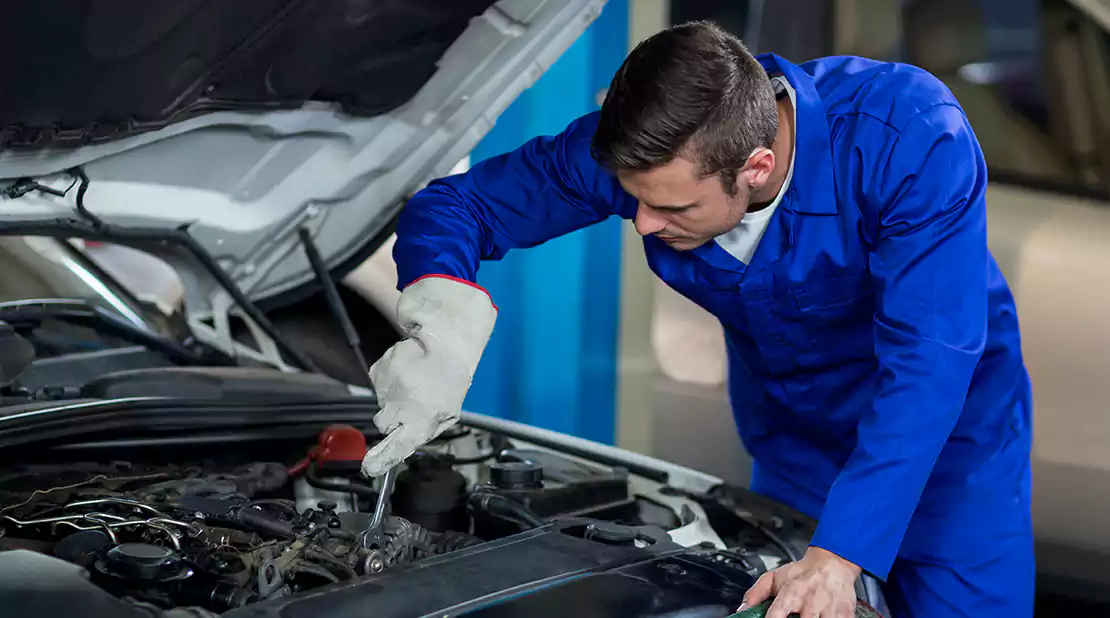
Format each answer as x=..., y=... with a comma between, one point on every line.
x=112, y=69
x=244, y=122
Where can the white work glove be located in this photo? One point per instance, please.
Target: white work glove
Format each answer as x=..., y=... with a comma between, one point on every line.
x=422, y=380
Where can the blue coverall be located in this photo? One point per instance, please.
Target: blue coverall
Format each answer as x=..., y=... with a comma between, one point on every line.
x=875, y=368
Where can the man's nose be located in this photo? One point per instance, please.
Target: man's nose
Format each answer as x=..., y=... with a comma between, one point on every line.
x=648, y=222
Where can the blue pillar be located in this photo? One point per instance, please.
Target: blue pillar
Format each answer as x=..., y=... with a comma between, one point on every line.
x=552, y=360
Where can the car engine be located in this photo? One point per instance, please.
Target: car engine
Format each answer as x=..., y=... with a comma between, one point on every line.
x=219, y=534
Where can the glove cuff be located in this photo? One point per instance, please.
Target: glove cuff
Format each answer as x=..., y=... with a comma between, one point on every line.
x=456, y=280
x=451, y=319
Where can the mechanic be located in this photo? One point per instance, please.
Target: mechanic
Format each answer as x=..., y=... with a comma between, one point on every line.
x=831, y=215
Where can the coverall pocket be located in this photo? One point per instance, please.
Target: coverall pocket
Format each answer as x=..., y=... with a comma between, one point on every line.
x=838, y=313
x=833, y=292
x=776, y=329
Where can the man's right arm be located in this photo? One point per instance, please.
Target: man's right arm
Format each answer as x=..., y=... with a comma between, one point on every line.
x=548, y=187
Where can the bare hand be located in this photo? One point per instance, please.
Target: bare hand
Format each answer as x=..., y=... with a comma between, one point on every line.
x=820, y=585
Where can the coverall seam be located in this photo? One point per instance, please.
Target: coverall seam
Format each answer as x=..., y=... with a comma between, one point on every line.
x=908, y=121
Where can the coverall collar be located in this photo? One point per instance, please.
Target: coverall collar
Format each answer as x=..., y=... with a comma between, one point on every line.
x=812, y=190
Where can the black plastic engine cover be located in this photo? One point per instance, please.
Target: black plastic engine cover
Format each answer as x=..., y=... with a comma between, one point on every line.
x=34, y=584
x=553, y=571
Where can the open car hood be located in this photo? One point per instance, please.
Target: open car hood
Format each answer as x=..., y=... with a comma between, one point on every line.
x=240, y=123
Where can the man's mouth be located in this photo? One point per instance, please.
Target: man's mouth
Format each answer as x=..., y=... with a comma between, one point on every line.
x=680, y=243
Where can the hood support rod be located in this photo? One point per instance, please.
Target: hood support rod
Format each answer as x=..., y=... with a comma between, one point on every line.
x=335, y=303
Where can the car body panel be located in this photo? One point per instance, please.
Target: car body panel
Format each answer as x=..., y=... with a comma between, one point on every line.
x=244, y=182
x=1053, y=251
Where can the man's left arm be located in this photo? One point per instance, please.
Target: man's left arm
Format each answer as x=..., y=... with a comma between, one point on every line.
x=929, y=264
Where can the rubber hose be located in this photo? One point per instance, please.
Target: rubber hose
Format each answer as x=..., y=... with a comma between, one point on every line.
x=449, y=541
x=363, y=491
x=508, y=508
x=260, y=478
x=339, y=533
x=319, y=555
x=318, y=571
x=264, y=522
x=285, y=505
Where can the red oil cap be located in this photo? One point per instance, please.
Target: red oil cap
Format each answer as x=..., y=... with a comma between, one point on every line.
x=340, y=446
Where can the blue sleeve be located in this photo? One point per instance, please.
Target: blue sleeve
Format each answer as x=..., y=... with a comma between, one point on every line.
x=548, y=187
x=929, y=263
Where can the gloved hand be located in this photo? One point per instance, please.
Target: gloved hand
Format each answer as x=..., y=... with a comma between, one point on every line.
x=422, y=380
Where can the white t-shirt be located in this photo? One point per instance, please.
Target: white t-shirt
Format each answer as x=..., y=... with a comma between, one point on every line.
x=742, y=240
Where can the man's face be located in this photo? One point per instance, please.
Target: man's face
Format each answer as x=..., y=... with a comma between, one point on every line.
x=681, y=208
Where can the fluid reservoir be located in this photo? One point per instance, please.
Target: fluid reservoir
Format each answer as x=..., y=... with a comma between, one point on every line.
x=516, y=475
x=432, y=494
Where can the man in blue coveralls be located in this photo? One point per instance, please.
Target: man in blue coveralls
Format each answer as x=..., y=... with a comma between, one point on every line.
x=832, y=216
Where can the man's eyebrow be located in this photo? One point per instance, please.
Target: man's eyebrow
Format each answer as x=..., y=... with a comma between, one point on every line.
x=670, y=206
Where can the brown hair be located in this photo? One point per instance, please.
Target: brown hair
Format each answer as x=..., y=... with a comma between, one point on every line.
x=691, y=90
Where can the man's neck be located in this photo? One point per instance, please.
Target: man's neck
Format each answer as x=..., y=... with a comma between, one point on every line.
x=783, y=148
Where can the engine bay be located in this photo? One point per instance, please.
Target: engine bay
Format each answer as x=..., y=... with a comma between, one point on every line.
x=226, y=529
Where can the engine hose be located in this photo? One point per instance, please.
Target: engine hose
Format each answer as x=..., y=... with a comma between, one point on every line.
x=449, y=541
x=288, y=506
x=311, y=475
x=260, y=478
x=318, y=571
x=506, y=507
x=341, y=534
x=319, y=555
x=259, y=520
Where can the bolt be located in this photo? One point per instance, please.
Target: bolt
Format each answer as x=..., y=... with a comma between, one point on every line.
x=373, y=563
x=672, y=569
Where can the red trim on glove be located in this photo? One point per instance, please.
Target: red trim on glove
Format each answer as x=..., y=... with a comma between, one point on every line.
x=463, y=281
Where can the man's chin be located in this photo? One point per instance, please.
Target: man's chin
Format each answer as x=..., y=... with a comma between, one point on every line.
x=684, y=244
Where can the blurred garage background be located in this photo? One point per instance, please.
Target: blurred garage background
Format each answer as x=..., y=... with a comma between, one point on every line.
x=624, y=360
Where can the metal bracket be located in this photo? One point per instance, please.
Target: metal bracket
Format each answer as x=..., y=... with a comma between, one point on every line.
x=270, y=581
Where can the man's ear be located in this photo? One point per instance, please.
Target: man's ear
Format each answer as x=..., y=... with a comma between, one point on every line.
x=757, y=169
